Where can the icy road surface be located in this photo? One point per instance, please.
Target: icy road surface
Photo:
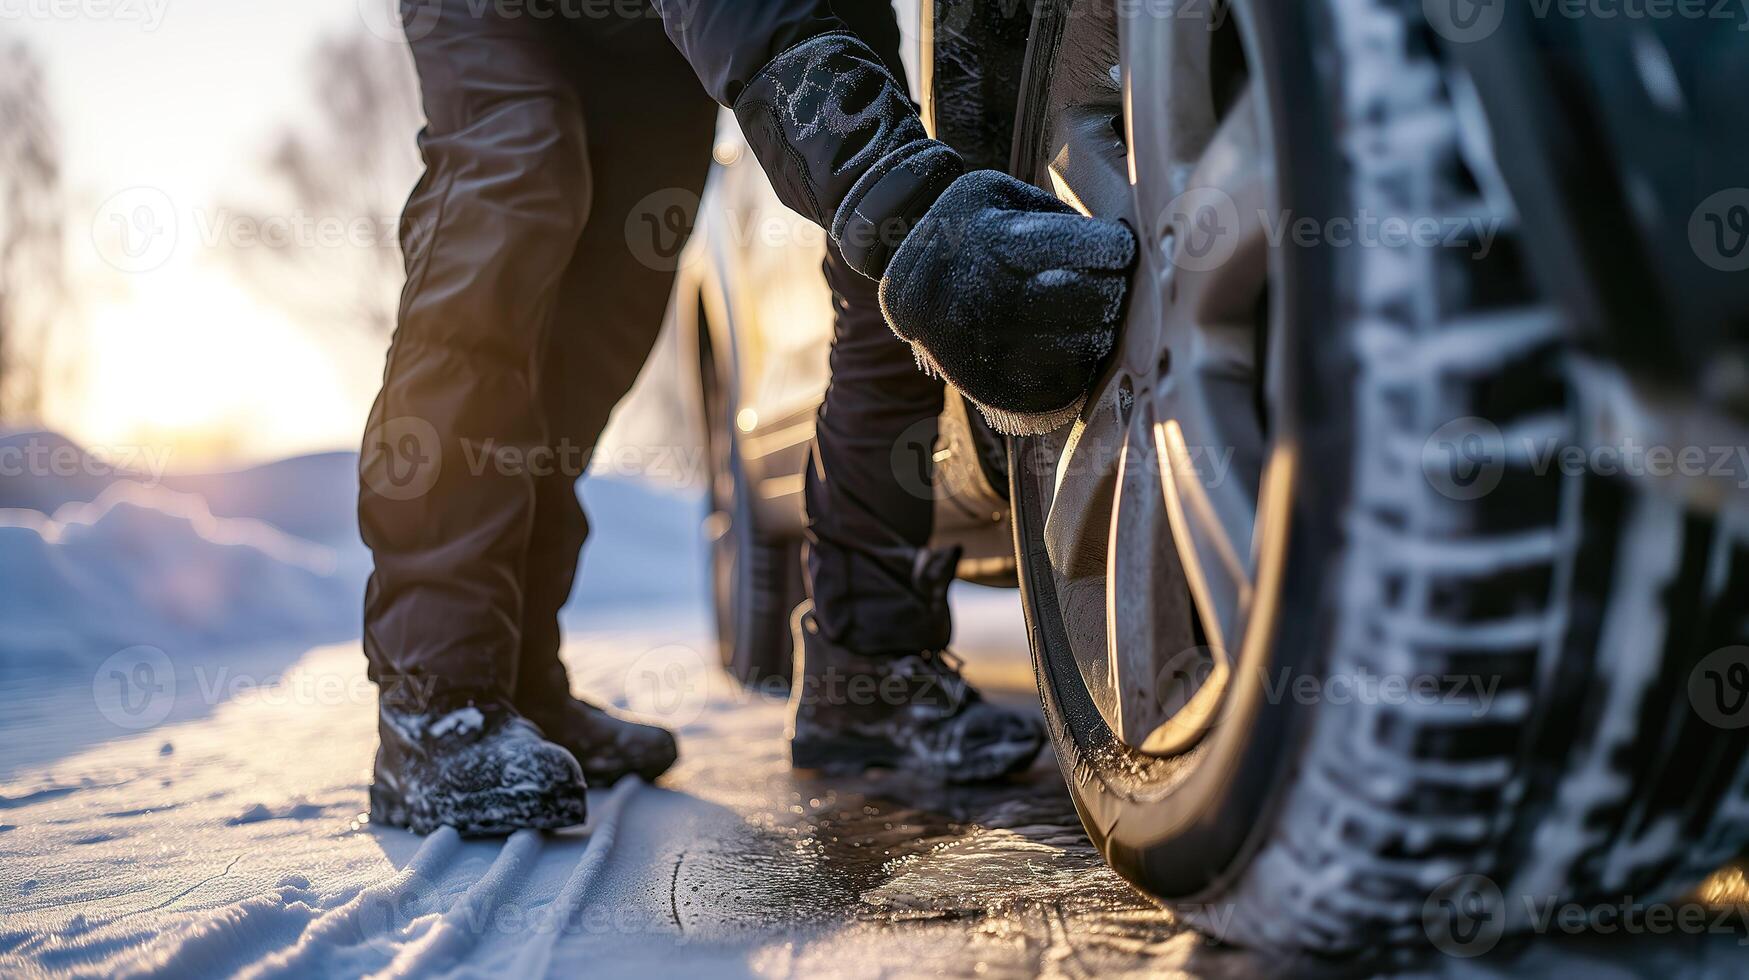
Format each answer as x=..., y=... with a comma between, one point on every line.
x=236, y=843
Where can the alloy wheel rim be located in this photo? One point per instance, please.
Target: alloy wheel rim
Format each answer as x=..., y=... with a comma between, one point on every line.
x=1154, y=515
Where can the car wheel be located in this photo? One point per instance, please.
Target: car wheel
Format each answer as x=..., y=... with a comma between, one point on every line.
x=755, y=576
x=1319, y=673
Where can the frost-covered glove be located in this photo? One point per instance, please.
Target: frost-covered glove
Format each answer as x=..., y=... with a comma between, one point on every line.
x=1000, y=288
x=1012, y=296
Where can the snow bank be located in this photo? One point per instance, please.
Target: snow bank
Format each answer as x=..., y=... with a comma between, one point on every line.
x=146, y=565
x=102, y=554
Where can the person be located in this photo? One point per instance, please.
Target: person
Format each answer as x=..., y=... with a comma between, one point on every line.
x=527, y=315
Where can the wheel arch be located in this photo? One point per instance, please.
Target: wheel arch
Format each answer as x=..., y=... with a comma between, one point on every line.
x=973, y=55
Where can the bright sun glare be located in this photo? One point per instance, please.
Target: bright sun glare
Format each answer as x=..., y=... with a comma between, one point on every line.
x=193, y=363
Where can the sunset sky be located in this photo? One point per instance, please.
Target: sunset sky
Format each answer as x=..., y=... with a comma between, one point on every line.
x=171, y=106
x=168, y=111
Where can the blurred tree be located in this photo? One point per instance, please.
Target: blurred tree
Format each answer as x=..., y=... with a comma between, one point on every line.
x=32, y=280
x=334, y=260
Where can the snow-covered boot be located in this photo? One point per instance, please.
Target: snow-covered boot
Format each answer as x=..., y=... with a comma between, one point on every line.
x=472, y=763
x=607, y=746
x=909, y=709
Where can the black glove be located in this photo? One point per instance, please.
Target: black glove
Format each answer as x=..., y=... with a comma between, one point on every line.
x=1000, y=288
x=1012, y=296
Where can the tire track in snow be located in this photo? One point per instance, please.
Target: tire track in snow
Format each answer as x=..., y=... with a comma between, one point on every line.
x=346, y=922
x=448, y=940
x=538, y=956
x=372, y=921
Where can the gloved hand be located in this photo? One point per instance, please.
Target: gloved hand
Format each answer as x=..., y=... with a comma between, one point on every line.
x=1012, y=296
x=999, y=287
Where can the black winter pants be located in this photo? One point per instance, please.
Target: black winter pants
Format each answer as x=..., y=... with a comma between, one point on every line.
x=529, y=309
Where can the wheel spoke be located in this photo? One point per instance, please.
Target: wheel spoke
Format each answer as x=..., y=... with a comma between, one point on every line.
x=1219, y=227
x=1219, y=578
x=1081, y=508
x=1153, y=503
x=1157, y=667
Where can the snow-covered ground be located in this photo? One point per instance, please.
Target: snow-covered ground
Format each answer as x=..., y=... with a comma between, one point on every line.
x=185, y=744
x=188, y=730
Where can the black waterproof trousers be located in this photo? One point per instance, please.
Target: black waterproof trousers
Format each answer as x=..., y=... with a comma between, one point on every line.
x=539, y=250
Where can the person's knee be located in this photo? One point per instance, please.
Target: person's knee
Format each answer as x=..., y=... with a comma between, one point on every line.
x=526, y=162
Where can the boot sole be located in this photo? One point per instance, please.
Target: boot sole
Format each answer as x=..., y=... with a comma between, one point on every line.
x=499, y=812
x=838, y=754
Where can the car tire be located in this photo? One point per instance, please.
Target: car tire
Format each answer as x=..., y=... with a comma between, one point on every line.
x=756, y=576
x=1580, y=762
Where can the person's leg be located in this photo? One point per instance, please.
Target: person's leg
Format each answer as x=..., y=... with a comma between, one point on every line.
x=487, y=235
x=648, y=154
x=866, y=531
x=874, y=684
x=867, y=525
x=879, y=622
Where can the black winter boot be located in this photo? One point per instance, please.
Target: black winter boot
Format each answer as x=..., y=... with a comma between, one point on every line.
x=472, y=763
x=910, y=709
x=608, y=747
